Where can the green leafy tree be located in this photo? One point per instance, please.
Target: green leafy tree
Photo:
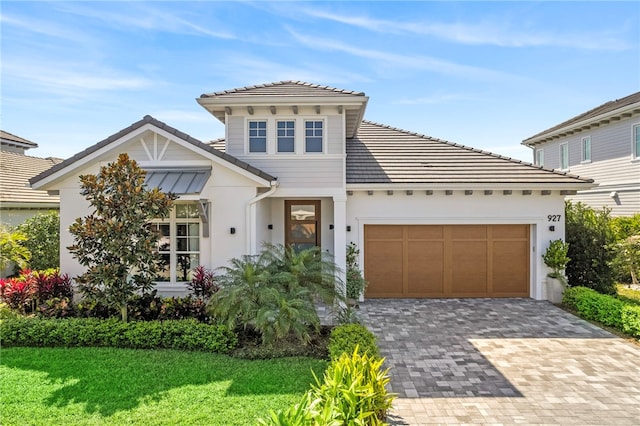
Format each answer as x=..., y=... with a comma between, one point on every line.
x=12, y=250
x=555, y=257
x=43, y=240
x=627, y=259
x=589, y=235
x=115, y=242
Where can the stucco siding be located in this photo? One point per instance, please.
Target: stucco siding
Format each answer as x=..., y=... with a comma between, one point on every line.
x=458, y=209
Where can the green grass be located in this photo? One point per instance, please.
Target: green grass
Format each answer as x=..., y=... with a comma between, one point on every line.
x=628, y=294
x=108, y=386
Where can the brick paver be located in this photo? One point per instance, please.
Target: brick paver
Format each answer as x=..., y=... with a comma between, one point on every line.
x=502, y=361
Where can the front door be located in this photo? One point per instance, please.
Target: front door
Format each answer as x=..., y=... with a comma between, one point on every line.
x=302, y=223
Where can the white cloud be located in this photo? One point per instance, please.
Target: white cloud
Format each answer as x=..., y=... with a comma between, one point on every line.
x=434, y=99
x=487, y=32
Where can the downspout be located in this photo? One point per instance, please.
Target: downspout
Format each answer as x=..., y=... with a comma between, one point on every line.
x=251, y=215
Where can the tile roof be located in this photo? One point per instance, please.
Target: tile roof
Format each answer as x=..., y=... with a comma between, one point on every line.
x=283, y=88
x=147, y=119
x=15, y=171
x=382, y=154
x=605, y=108
x=9, y=138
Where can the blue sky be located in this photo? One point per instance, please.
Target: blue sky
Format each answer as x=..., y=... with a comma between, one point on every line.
x=483, y=74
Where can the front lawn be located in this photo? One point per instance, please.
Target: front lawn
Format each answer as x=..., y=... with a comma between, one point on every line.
x=100, y=386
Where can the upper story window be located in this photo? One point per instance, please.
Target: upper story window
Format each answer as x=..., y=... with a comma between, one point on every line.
x=286, y=136
x=313, y=135
x=257, y=136
x=564, y=156
x=179, y=242
x=636, y=141
x=540, y=157
x=586, y=149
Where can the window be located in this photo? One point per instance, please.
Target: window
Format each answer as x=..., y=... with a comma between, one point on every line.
x=540, y=157
x=313, y=136
x=257, y=136
x=286, y=136
x=564, y=156
x=586, y=149
x=636, y=141
x=179, y=242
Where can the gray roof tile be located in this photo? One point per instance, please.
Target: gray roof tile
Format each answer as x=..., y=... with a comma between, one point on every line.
x=15, y=171
x=283, y=88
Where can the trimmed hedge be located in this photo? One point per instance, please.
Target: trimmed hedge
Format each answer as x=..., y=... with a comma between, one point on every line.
x=178, y=334
x=345, y=338
x=606, y=309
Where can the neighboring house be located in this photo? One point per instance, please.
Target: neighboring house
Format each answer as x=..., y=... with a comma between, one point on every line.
x=298, y=165
x=603, y=144
x=18, y=202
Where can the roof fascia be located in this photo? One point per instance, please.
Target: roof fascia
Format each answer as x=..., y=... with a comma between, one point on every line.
x=345, y=100
x=633, y=109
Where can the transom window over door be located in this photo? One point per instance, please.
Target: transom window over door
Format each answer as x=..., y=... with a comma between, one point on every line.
x=179, y=243
x=302, y=223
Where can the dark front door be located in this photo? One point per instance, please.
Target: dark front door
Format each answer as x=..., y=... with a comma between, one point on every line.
x=302, y=223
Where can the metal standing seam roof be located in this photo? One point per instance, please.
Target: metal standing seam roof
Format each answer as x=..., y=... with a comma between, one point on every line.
x=15, y=171
x=283, y=88
x=178, y=181
x=147, y=119
x=382, y=154
x=592, y=113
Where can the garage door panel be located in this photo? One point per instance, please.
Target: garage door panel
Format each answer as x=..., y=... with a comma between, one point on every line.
x=425, y=266
x=383, y=268
x=447, y=260
x=510, y=258
x=469, y=269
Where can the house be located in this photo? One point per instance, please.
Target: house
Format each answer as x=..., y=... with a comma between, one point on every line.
x=299, y=165
x=603, y=144
x=18, y=201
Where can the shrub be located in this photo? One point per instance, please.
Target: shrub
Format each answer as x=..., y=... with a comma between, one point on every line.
x=631, y=320
x=346, y=338
x=555, y=257
x=589, y=235
x=32, y=289
x=184, y=334
x=12, y=251
x=356, y=283
x=203, y=283
x=43, y=240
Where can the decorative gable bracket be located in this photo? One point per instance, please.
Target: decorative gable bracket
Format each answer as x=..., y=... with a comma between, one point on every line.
x=203, y=210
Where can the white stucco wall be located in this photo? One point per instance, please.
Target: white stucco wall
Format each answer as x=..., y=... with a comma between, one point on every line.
x=458, y=209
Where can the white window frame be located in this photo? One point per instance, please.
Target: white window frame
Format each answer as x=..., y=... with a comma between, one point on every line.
x=585, y=142
x=286, y=120
x=540, y=157
x=266, y=135
x=635, y=141
x=173, y=221
x=564, y=156
x=324, y=132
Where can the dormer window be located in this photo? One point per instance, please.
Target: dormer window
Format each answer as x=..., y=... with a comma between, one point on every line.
x=286, y=136
x=257, y=136
x=313, y=131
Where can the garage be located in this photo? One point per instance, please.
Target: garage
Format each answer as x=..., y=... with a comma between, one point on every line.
x=429, y=261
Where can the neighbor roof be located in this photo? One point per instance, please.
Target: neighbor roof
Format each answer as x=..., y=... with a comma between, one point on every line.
x=11, y=139
x=382, y=154
x=283, y=88
x=612, y=107
x=15, y=171
x=147, y=119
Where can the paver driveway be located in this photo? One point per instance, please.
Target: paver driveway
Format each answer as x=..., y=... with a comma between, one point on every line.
x=502, y=361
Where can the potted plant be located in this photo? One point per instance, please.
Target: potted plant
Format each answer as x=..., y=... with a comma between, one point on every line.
x=555, y=257
x=355, y=281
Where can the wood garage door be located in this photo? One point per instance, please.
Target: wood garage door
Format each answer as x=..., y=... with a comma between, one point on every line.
x=446, y=260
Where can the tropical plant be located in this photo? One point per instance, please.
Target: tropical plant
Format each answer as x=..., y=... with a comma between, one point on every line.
x=356, y=283
x=555, y=257
x=203, y=283
x=589, y=235
x=115, y=242
x=43, y=240
x=275, y=292
x=31, y=289
x=13, y=253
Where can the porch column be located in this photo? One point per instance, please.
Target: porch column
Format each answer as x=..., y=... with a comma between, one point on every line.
x=340, y=237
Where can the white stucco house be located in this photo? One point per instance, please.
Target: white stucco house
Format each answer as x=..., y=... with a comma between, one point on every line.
x=299, y=165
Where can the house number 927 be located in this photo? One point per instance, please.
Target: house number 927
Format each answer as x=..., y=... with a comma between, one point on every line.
x=554, y=217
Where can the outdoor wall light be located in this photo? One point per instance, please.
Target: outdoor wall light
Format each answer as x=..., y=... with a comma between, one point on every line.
x=270, y=226
x=232, y=231
x=348, y=228
x=331, y=226
x=552, y=228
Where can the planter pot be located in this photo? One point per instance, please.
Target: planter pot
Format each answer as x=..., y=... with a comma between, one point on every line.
x=553, y=290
